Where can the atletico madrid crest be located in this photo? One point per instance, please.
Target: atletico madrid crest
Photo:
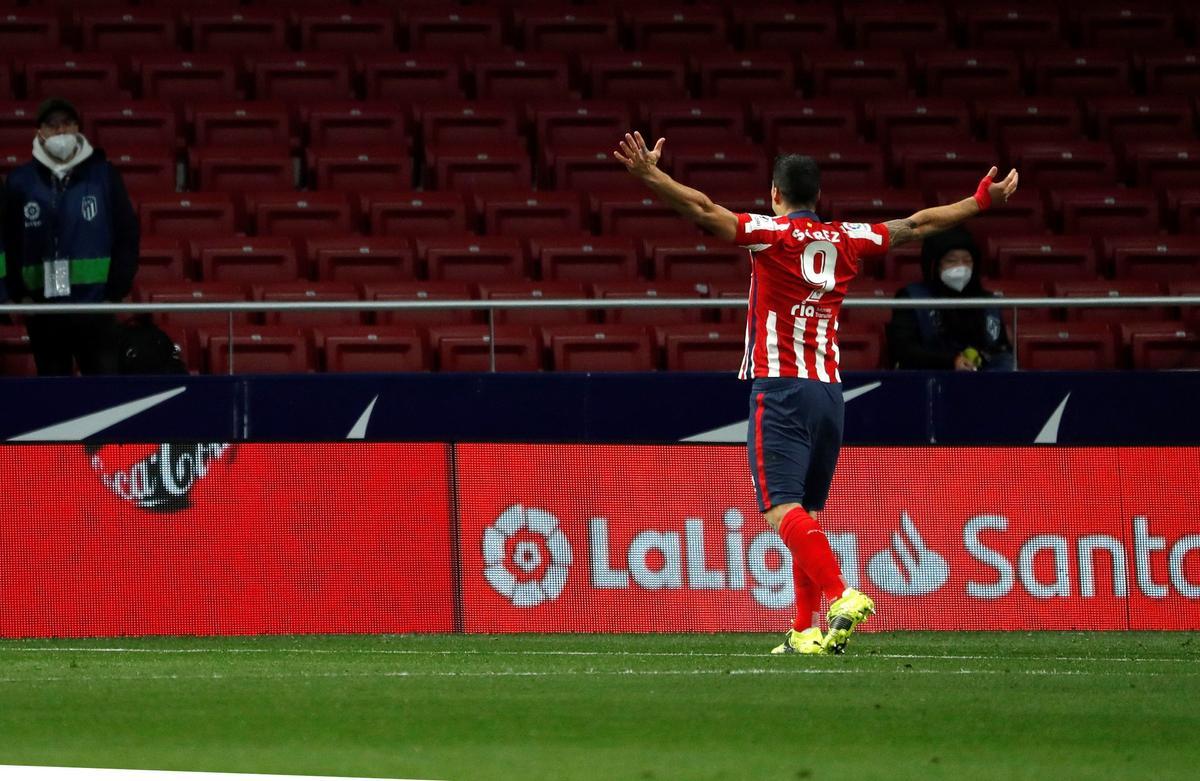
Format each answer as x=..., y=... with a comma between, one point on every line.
x=89, y=208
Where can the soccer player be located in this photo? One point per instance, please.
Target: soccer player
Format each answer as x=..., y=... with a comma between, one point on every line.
x=801, y=267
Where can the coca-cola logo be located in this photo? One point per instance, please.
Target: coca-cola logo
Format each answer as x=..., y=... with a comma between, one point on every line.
x=159, y=478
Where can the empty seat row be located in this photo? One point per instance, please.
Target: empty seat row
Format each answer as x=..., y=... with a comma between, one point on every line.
x=228, y=26
x=655, y=74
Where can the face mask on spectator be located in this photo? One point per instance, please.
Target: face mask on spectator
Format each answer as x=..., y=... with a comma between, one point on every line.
x=61, y=146
x=956, y=277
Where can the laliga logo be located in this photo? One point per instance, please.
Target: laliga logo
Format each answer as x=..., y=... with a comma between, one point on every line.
x=923, y=570
x=523, y=589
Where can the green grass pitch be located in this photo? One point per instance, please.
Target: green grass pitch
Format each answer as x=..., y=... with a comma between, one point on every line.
x=1044, y=706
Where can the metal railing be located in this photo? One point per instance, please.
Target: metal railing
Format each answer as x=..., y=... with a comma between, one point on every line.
x=490, y=306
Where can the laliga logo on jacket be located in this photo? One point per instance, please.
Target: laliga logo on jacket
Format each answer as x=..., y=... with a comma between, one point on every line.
x=158, y=478
x=526, y=556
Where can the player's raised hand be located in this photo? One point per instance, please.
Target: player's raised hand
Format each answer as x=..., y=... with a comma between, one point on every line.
x=637, y=158
x=991, y=192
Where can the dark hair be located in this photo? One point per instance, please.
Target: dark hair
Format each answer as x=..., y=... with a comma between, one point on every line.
x=798, y=179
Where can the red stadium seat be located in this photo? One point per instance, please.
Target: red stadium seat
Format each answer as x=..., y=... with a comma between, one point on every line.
x=1174, y=72
x=476, y=167
x=416, y=213
x=356, y=123
x=784, y=27
x=737, y=293
x=129, y=30
x=858, y=73
x=651, y=290
x=244, y=259
x=715, y=167
x=469, y=348
x=580, y=122
x=16, y=124
x=1005, y=25
x=302, y=76
x=642, y=75
x=524, y=75
x=178, y=77
x=357, y=169
x=188, y=215
x=148, y=124
x=194, y=292
x=1156, y=257
x=878, y=25
x=16, y=353
x=1166, y=346
x=249, y=123
x=920, y=119
x=77, y=76
x=1066, y=347
x=1013, y=119
x=1123, y=288
x=695, y=121
x=1043, y=257
x=520, y=291
x=32, y=30
x=429, y=290
x=864, y=318
x=972, y=73
x=694, y=28
x=860, y=349
x=309, y=291
x=873, y=206
x=1020, y=288
x=1082, y=73
x=144, y=169
x=163, y=259
x=846, y=165
x=585, y=168
x=703, y=347
x=367, y=348
x=1161, y=164
x=240, y=169
x=1125, y=26
x=949, y=164
x=468, y=122
x=13, y=156
x=601, y=348
x=360, y=258
x=578, y=29
x=1184, y=208
x=901, y=264
x=1063, y=163
x=584, y=258
x=690, y=260
x=531, y=213
x=406, y=77
x=1135, y=119
x=798, y=124
x=240, y=31
x=348, y=29
x=1106, y=210
x=741, y=75
x=301, y=214
x=459, y=29
x=472, y=258
x=259, y=350
x=640, y=216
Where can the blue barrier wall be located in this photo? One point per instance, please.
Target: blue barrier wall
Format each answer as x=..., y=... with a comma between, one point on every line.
x=882, y=408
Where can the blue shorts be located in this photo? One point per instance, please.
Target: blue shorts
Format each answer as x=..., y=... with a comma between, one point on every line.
x=794, y=439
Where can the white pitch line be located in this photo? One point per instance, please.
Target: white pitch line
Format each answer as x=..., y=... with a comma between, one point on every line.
x=650, y=654
x=403, y=674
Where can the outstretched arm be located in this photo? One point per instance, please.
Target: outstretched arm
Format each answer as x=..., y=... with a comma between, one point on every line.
x=694, y=205
x=927, y=222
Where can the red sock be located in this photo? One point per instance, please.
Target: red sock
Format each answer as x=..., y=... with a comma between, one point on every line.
x=804, y=538
x=808, y=598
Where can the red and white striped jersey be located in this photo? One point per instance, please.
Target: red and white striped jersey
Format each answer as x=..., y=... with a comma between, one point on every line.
x=800, y=270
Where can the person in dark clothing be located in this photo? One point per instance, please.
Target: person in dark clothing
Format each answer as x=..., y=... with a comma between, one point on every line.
x=962, y=339
x=72, y=237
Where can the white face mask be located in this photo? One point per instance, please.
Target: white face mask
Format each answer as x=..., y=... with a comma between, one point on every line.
x=61, y=146
x=956, y=277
